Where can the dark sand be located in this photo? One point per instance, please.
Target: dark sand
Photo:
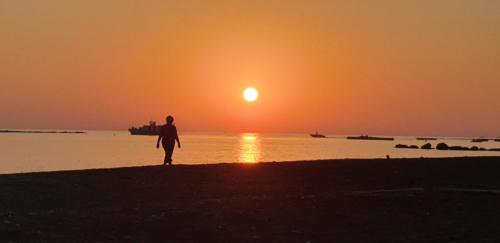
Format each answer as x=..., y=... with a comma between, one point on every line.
x=321, y=201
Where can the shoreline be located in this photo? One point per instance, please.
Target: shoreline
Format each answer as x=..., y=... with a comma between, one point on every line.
x=350, y=200
x=245, y=164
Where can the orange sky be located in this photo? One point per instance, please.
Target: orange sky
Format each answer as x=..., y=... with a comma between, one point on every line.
x=345, y=67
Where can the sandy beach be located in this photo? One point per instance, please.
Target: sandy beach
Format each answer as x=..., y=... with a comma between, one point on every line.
x=369, y=200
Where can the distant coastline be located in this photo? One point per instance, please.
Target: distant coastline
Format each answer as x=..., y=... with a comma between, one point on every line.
x=40, y=131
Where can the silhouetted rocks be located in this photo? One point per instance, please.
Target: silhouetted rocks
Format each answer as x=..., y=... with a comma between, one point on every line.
x=404, y=146
x=458, y=148
x=442, y=146
x=426, y=146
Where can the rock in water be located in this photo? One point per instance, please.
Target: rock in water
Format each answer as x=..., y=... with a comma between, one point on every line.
x=442, y=146
x=401, y=146
x=426, y=146
x=458, y=148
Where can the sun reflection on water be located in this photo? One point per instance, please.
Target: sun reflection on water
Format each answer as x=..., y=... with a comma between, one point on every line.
x=249, y=148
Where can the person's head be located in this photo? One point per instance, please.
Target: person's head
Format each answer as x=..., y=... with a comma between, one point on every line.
x=169, y=119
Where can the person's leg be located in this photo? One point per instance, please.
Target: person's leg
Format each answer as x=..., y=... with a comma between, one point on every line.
x=168, y=146
x=169, y=152
x=165, y=160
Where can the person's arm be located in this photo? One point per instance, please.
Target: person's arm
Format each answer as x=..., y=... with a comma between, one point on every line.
x=159, y=138
x=177, y=138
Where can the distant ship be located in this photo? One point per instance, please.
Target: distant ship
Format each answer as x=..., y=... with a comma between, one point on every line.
x=479, y=140
x=425, y=138
x=317, y=135
x=366, y=137
x=151, y=129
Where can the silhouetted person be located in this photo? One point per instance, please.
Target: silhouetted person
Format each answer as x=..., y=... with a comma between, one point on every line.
x=168, y=136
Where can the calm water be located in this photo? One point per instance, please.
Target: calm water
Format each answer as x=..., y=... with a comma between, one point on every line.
x=105, y=149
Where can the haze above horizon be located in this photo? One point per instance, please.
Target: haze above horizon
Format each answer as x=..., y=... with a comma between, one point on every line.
x=339, y=67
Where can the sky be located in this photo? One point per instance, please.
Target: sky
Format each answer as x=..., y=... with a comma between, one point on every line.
x=340, y=67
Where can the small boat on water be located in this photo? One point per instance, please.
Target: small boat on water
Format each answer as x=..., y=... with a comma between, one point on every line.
x=426, y=139
x=479, y=140
x=317, y=135
x=366, y=137
x=151, y=129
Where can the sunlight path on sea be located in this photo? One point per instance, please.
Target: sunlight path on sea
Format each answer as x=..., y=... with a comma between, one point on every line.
x=249, y=148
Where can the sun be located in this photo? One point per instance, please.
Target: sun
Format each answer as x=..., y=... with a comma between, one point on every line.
x=250, y=94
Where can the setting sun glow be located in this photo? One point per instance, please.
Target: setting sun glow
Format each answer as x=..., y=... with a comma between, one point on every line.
x=350, y=67
x=250, y=94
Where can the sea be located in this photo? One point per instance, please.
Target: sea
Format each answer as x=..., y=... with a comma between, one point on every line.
x=35, y=152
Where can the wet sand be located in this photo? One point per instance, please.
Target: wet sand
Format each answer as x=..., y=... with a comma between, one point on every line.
x=378, y=200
